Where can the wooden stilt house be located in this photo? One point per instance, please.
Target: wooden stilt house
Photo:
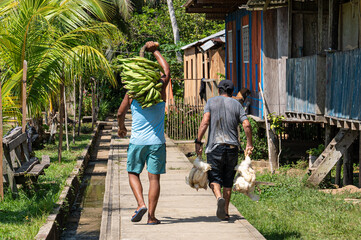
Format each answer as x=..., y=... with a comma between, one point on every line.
x=203, y=59
x=306, y=56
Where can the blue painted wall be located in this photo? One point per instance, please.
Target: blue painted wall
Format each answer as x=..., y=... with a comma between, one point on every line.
x=343, y=87
x=301, y=84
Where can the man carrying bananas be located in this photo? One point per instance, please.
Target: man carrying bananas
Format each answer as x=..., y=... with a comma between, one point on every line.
x=147, y=143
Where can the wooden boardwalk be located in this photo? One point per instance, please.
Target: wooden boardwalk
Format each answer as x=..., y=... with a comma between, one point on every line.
x=184, y=212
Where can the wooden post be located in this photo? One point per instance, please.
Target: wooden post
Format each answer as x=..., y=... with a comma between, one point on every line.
x=289, y=28
x=333, y=17
x=66, y=123
x=1, y=146
x=338, y=173
x=23, y=95
x=347, y=167
x=320, y=25
x=271, y=138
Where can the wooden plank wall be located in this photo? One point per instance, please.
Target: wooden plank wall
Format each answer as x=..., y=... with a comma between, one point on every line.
x=301, y=84
x=343, y=96
x=196, y=68
x=247, y=74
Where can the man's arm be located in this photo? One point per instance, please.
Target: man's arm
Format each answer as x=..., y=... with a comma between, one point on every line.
x=201, y=131
x=152, y=47
x=248, y=131
x=124, y=106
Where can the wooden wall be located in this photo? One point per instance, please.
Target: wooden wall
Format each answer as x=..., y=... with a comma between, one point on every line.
x=275, y=55
x=343, y=96
x=246, y=73
x=198, y=65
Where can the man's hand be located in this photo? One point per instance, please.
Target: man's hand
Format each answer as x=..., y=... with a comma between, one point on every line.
x=122, y=132
x=249, y=150
x=199, y=149
x=151, y=46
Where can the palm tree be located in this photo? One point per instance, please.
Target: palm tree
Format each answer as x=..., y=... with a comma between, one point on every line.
x=51, y=34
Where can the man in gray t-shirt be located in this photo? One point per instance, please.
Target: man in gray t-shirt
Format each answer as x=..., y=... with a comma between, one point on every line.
x=223, y=114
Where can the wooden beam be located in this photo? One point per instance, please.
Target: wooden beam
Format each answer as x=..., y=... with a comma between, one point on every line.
x=347, y=168
x=320, y=25
x=208, y=10
x=289, y=28
x=266, y=5
x=1, y=146
x=212, y=16
x=23, y=95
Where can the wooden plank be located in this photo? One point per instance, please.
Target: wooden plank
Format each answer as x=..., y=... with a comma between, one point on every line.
x=17, y=142
x=326, y=165
x=15, y=133
x=115, y=219
x=23, y=96
x=320, y=25
x=37, y=169
x=45, y=159
x=26, y=167
x=290, y=22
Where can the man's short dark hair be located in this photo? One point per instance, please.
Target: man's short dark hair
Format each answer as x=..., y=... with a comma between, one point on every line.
x=223, y=91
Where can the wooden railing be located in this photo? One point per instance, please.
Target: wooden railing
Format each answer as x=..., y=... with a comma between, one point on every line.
x=183, y=118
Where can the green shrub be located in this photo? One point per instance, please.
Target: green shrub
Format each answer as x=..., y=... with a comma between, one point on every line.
x=104, y=110
x=260, y=150
x=86, y=128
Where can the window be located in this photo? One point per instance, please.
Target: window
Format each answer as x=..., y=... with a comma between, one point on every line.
x=245, y=43
x=230, y=46
x=192, y=69
x=187, y=72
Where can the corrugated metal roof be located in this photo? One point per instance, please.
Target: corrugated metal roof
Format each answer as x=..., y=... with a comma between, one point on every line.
x=218, y=34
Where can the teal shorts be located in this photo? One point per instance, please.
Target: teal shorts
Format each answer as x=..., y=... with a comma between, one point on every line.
x=153, y=155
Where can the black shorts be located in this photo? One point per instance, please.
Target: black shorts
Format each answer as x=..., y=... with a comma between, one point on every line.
x=223, y=160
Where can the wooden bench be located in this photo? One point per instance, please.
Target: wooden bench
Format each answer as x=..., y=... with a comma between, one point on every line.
x=19, y=166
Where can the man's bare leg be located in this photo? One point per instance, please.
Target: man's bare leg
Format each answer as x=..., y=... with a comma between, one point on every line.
x=216, y=188
x=227, y=196
x=137, y=189
x=153, y=196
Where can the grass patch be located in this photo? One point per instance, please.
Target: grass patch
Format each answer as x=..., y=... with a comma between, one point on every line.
x=290, y=210
x=22, y=217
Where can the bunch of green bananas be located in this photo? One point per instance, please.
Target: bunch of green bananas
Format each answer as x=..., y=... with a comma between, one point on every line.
x=141, y=77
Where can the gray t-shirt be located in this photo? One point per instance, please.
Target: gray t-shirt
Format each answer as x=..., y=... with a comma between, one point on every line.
x=226, y=114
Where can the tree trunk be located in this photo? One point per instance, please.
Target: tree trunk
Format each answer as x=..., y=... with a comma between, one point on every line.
x=80, y=103
x=61, y=117
x=93, y=101
x=174, y=27
x=66, y=122
x=74, y=110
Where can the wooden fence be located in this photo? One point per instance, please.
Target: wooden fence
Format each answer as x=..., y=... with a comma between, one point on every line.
x=183, y=118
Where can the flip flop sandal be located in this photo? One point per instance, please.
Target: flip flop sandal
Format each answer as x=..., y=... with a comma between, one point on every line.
x=154, y=223
x=227, y=218
x=221, y=212
x=139, y=214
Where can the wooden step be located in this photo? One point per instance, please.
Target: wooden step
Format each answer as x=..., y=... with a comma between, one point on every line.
x=325, y=165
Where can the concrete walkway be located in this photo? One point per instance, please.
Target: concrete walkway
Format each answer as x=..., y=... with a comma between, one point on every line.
x=184, y=212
